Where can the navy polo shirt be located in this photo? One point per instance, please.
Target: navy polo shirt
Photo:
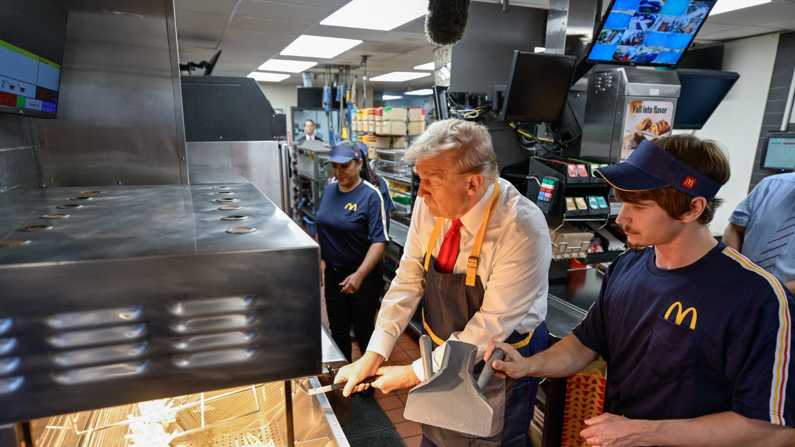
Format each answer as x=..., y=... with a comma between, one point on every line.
x=710, y=337
x=348, y=223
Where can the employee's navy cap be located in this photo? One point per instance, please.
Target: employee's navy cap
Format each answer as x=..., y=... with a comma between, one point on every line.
x=650, y=167
x=363, y=147
x=343, y=154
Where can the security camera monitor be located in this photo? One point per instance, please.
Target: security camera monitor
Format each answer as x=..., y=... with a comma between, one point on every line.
x=32, y=39
x=779, y=153
x=648, y=32
x=538, y=87
x=702, y=92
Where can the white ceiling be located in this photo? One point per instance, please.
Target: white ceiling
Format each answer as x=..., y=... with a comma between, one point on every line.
x=251, y=32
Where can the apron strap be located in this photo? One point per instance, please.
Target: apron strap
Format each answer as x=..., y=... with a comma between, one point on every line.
x=432, y=242
x=472, y=263
x=440, y=342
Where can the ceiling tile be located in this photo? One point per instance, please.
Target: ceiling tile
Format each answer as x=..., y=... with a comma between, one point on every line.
x=268, y=26
x=738, y=33
x=282, y=11
x=787, y=24
x=201, y=19
x=209, y=6
x=712, y=28
x=344, y=33
x=332, y=4
x=199, y=33
x=415, y=26
x=543, y=4
x=240, y=39
x=398, y=37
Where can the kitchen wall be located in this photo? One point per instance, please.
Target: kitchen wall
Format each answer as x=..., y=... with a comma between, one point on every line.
x=737, y=121
x=18, y=164
x=776, y=101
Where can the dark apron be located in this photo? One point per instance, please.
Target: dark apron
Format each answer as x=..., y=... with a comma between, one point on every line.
x=448, y=305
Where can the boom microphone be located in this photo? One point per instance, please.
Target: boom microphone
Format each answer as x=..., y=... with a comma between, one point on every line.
x=446, y=21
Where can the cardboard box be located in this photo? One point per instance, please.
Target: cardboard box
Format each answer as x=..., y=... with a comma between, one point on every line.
x=383, y=142
x=379, y=127
x=394, y=113
x=399, y=142
x=416, y=128
x=394, y=127
x=416, y=114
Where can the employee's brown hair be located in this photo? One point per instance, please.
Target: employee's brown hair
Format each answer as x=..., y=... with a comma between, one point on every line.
x=705, y=156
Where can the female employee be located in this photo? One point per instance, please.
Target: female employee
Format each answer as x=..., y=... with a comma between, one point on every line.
x=351, y=229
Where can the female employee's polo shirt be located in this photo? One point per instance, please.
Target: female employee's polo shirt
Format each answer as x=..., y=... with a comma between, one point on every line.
x=707, y=338
x=348, y=223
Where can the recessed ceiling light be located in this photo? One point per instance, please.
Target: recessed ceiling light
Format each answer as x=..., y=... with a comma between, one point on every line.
x=428, y=66
x=268, y=77
x=381, y=15
x=731, y=5
x=421, y=92
x=319, y=47
x=399, y=76
x=390, y=97
x=286, y=66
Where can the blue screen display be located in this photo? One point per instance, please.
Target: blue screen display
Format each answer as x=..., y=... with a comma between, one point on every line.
x=649, y=32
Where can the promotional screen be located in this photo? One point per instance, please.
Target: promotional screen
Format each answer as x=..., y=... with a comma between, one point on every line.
x=649, y=32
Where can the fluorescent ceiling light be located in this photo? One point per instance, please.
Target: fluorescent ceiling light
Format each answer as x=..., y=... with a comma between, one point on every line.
x=536, y=50
x=381, y=15
x=731, y=5
x=428, y=66
x=399, y=76
x=268, y=77
x=390, y=97
x=421, y=92
x=286, y=66
x=319, y=47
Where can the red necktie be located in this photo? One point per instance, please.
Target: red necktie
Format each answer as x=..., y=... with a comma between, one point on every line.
x=448, y=252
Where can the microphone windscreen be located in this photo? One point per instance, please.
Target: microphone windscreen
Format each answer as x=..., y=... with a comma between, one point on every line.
x=446, y=21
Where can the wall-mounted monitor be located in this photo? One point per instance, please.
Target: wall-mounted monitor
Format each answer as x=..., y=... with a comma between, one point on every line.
x=648, y=32
x=779, y=152
x=702, y=92
x=32, y=39
x=538, y=87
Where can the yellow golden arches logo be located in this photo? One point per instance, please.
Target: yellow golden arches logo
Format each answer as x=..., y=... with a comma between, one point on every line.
x=681, y=315
x=350, y=206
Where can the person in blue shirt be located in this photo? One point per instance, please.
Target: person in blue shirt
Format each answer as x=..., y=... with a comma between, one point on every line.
x=375, y=179
x=698, y=339
x=762, y=227
x=351, y=230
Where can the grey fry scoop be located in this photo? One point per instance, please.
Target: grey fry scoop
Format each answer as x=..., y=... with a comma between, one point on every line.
x=450, y=398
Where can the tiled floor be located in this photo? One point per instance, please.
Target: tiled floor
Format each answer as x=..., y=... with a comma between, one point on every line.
x=406, y=351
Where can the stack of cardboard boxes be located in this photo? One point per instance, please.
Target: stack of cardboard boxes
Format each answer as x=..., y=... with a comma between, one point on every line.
x=416, y=120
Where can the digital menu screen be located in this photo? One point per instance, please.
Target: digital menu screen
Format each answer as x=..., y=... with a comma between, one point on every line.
x=32, y=39
x=649, y=32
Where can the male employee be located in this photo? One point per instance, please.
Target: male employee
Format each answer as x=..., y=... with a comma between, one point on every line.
x=698, y=340
x=762, y=227
x=309, y=128
x=477, y=255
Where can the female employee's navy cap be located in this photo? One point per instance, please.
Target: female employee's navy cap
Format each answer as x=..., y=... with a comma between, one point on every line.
x=650, y=167
x=343, y=154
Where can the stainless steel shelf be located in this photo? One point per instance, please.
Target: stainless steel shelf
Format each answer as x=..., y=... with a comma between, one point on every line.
x=395, y=178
